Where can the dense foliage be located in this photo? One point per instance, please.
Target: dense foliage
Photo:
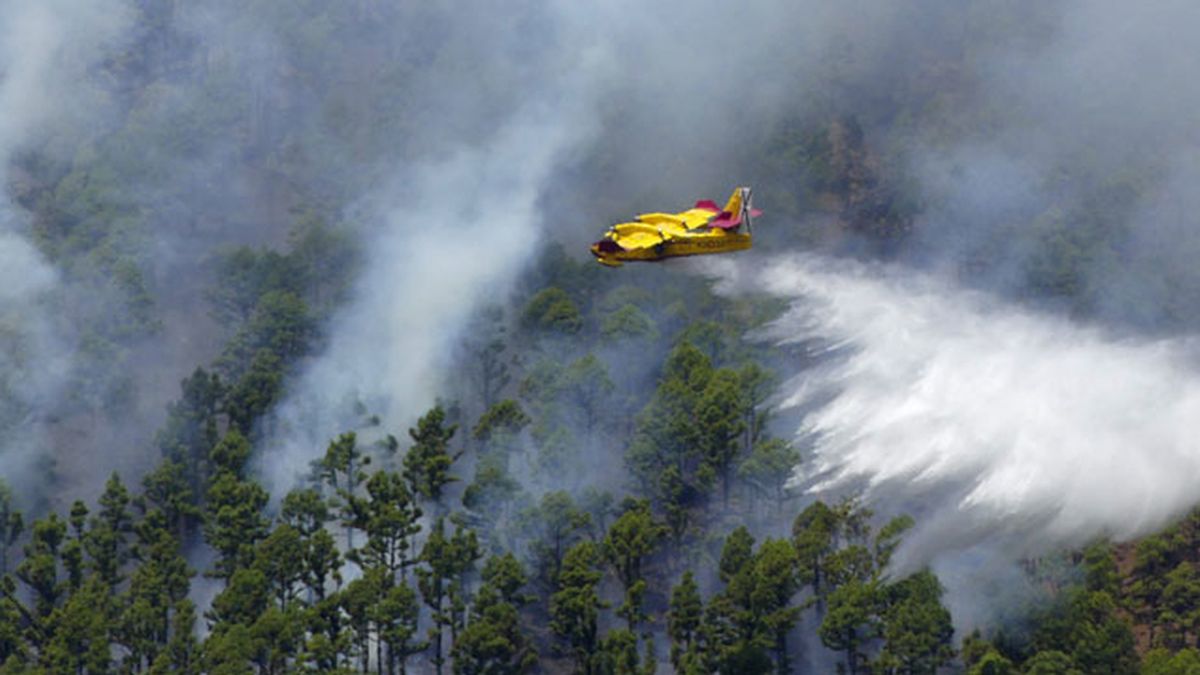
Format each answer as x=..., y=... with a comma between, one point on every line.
x=470, y=552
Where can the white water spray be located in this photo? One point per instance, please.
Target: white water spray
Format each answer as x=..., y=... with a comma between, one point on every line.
x=993, y=422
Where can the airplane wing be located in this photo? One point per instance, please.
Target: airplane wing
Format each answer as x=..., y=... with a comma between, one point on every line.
x=683, y=221
x=696, y=217
x=668, y=221
x=640, y=240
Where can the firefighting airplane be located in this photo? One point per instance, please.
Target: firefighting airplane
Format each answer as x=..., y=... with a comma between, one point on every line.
x=704, y=228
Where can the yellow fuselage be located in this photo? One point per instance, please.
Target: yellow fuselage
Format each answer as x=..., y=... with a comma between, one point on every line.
x=655, y=236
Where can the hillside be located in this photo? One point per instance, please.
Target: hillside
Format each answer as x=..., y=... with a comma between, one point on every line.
x=305, y=366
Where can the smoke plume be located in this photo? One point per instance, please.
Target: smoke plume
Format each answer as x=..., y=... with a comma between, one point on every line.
x=448, y=246
x=46, y=50
x=448, y=232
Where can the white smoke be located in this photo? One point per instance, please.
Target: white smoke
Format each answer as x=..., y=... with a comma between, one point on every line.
x=47, y=50
x=452, y=238
x=31, y=366
x=444, y=251
x=997, y=423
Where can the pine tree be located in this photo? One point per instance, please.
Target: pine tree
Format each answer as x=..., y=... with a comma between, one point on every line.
x=79, y=639
x=39, y=569
x=442, y=580
x=575, y=605
x=168, y=489
x=427, y=464
x=12, y=524
x=12, y=613
x=358, y=599
x=106, y=541
x=322, y=563
x=391, y=519
x=397, y=615
x=464, y=551
x=684, y=619
x=667, y=433
x=554, y=525
x=719, y=416
x=342, y=470
x=72, y=550
x=255, y=391
x=191, y=430
x=813, y=534
x=307, y=512
x=490, y=496
x=736, y=554
x=769, y=467
x=756, y=385
x=917, y=631
x=493, y=641
x=630, y=540
x=588, y=387
x=851, y=620
x=329, y=641
x=234, y=520
x=244, y=598
x=158, y=587
x=280, y=558
x=755, y=612
x=277, y=637
x=775, y=582
x=499, y=425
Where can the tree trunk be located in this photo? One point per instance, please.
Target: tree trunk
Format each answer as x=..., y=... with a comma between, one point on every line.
x=437, y=650
x=781, y=653
x=852, y=653
x=379, y=651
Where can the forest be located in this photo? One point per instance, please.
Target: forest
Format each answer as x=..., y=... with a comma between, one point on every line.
x=306, y=367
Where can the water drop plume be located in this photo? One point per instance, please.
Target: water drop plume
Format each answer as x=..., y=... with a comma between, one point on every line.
x=994, y=422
